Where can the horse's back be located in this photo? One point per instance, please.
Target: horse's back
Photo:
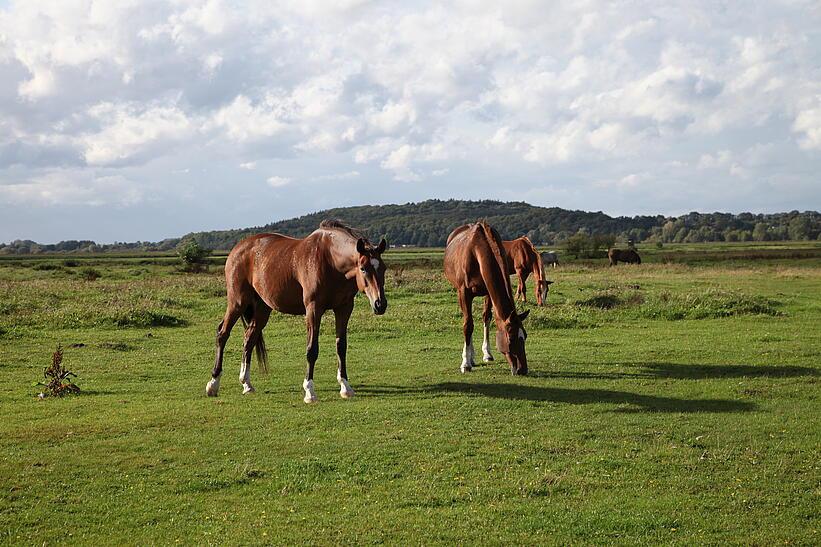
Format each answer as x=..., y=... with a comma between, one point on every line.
x=263, y=263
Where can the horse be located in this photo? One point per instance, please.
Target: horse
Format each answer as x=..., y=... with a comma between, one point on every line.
x=521, y=257
x=628, y=256
x=550, y=257
x=475, y=266
x=309, y=276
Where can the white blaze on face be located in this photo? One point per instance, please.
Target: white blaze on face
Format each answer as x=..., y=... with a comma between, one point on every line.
x=375, y=263
x=521, y=334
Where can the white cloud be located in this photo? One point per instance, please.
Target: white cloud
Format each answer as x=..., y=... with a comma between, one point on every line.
x=71, y=187
x=278, y=182
x=595, y=91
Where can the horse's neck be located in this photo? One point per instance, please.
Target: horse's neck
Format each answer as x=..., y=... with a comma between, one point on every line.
x=343, y=255
x=493, y=274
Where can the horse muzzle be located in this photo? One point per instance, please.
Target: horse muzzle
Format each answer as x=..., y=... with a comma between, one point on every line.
x=380, y=305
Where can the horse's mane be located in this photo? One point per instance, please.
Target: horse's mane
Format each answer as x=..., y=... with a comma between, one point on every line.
x=495, y=245
x=335, y=224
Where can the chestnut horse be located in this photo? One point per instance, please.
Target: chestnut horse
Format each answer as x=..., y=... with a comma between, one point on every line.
x=299, y=277
x=523, y=258
x=475, y=266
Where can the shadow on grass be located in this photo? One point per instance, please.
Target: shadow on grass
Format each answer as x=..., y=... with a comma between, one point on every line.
x=639, y=403
x=686, y=372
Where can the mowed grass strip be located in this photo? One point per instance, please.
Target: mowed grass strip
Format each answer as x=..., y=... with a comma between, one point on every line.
x=666, y=403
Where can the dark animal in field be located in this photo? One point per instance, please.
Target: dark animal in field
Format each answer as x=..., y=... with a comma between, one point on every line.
x=521, y=257
x=306, y=277
x=550, y=258
x=475, y=266
x=628, y=256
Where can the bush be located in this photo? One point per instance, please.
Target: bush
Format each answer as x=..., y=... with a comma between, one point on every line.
x=192, y=255
x=90, y=274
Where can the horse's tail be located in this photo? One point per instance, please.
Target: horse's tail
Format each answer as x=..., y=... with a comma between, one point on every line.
x=259, y=346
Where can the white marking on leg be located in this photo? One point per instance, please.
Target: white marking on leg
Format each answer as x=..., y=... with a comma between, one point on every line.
x=212, y=389
x=345, y=389
x=245, y=378
x=486, y=355
x=467, y=358
x=310, y=394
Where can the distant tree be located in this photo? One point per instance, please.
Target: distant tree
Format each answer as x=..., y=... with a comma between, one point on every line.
x=760, y=231
x=799, y=228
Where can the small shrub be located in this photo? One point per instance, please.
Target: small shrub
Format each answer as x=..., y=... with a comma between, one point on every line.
x=58, y=378
x=90, y=274
x=192, y=256
x=46, y=266
x=70, y=263
x=145, y=318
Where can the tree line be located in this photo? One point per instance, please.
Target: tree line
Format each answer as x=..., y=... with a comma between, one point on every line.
x=427, y=224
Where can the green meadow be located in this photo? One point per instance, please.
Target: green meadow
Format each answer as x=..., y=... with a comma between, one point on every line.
x=675, y=402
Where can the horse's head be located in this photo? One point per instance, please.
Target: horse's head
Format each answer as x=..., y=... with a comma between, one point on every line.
x=510, y=340
x=370, y=274
x=542, y=288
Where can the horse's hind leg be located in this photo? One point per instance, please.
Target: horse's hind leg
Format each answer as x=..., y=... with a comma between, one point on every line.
x=232, y=313
x=486, y=317
x=253, y=332
x=521, y=292
x=466, y=303
x=341, y=317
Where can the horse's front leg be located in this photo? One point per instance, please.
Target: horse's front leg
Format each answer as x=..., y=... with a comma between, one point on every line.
x=466, y=303
x=341, y=316
x=313, y=317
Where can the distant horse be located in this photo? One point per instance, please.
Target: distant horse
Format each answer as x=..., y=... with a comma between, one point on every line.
x=521, y=257
x=550, y=257
x=307, y=276
x=628, y=256
x=475, y=266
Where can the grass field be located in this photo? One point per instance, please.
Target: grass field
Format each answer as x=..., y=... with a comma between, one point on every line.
x=670, y=403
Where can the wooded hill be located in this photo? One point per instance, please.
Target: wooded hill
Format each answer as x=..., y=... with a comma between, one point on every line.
x=427, y=224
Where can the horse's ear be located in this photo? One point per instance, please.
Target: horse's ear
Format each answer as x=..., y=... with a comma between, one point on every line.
x=382, y=245
x=523, y=316
x=360, y=246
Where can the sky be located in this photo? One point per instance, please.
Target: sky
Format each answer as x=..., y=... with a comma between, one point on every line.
x=146, y=119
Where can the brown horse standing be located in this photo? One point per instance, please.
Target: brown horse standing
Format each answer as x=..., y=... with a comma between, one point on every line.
x=299, y=277
x=523, y=258
x=475, y=266
x=628, y=256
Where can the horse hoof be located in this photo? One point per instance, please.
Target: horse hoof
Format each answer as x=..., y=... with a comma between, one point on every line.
x=346, y=394
x=487, y=358
x=248, y=388
x=465, y=369
x=212, y=387
x=309, y=399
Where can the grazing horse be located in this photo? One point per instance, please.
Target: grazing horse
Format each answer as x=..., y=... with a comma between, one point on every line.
x=475, y=266
x=628, y=256
x=306, y=277
x=521, y=257
x=550, y=257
